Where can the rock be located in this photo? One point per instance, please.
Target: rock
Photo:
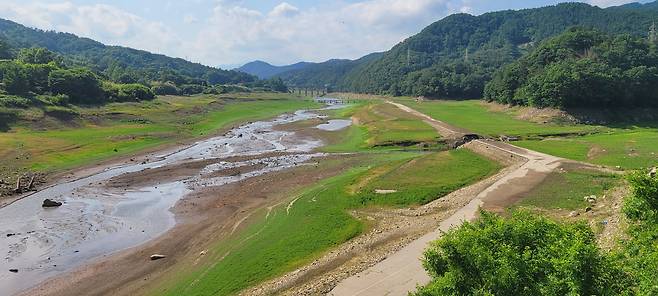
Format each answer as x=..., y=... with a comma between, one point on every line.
x=14, y=270
x=652, y=173
x=157, y=257
x=574, y=214
x=10, y=234
x=588, y=209
x=51, y=204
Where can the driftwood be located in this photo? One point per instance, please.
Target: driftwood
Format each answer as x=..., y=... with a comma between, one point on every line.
x=18, y=184
x=29, y=185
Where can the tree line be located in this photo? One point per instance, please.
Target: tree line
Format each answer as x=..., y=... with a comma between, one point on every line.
x=30, y=76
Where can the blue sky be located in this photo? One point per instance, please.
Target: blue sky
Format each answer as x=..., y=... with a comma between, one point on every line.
x=231, y=32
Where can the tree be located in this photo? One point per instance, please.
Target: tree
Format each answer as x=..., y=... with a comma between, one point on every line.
x=5, y=50
x=14, y=78
x=521, y=255
x=80, y=84
x=37, y=55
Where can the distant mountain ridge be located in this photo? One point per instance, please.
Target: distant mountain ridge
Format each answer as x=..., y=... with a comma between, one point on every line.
x=455, y=56
x=264, y=70
x=117, y=61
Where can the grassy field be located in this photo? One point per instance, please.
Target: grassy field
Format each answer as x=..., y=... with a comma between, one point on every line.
x=383, y=126
x=317, y=219
x=474, y=116
x=423, y=179
x=125, y=128
x=566, y=190
x=628, y=149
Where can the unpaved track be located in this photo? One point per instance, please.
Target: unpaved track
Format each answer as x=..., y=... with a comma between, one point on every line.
x=402, y=272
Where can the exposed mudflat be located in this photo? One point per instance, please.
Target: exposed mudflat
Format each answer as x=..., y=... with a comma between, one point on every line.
x=128, y=205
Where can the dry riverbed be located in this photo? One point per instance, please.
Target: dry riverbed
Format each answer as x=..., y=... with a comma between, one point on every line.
x=112, y=220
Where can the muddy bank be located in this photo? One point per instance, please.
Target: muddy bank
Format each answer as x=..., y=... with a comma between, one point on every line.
x=104, y=213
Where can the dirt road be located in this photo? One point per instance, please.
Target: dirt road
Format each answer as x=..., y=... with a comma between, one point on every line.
x=401, y=272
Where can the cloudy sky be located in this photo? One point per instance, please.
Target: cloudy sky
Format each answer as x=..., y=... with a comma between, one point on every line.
x=232, y=32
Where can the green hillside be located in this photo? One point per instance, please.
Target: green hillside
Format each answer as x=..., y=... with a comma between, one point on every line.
x=456, y=56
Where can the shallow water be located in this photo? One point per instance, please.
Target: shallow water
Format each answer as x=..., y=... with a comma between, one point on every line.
x=335, y=125
x=96, y=221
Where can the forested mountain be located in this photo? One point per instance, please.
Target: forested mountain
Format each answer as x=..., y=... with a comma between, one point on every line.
x=582, y=68
x=327, y=74
x=119, y=64
x=265, y=70
x=456, y=56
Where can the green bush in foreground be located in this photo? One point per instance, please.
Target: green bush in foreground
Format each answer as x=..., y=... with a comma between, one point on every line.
x=521, y=255
x=641, y=250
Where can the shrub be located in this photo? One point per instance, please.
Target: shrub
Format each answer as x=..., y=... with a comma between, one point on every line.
x=164, y=89
x=14, y=101
x=57, y=100
x=191, y=89
x=80, y=84
x=521, y=255
x=127, y=92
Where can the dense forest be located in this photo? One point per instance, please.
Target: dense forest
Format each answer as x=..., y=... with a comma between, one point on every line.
x=582, y=68
x=456, y=56
x=118, y=64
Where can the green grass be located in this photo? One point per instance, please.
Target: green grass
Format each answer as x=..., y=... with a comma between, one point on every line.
x=132, y=127
x=476, y=117
x=318, y=220
x=567, y=190
x=426, y=178
x=382, y=126
x=628, y=149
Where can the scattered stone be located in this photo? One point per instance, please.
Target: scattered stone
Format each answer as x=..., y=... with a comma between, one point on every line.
x=574, y=214
x=14, y=270
x=590, y=198
x=652, y=173
x=157, y=257
x=10, y=234
x=588, y=209
x=48, y=203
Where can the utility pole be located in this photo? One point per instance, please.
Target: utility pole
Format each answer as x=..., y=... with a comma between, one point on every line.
x=466, y=56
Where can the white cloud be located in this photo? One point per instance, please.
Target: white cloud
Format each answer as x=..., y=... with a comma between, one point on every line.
x=287, y=34
x=228, y=32
x=102, y=22
x=608, y=3
x=284, y=10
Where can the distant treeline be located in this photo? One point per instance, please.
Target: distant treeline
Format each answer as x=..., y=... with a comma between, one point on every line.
x=38, y=76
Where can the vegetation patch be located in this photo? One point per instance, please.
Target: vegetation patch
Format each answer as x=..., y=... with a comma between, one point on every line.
x=567, y=189
x=521, y=255
x=424, y=179
x=476, y=117
x=628, y=149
